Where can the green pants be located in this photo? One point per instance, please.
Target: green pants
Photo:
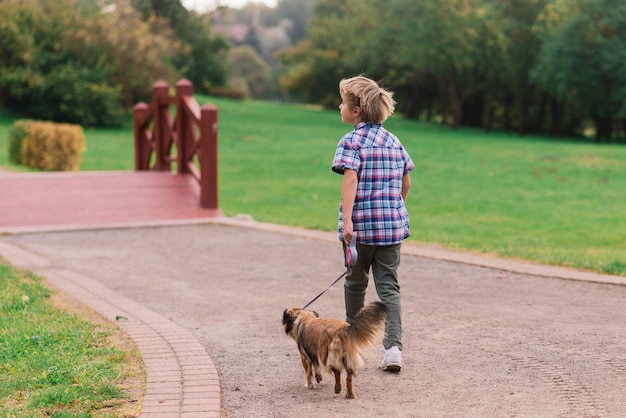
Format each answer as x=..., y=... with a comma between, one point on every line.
x=384, y=262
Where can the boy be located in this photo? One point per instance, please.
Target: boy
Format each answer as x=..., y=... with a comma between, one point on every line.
x=376, y=182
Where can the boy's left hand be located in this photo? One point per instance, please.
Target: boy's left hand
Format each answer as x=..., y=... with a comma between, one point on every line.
x=347, y=232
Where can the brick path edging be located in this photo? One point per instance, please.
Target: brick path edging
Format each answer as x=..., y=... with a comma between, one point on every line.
x=181, y=379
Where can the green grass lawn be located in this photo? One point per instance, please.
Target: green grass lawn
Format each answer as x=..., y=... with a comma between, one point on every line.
x=555, y=202
x=54, y=363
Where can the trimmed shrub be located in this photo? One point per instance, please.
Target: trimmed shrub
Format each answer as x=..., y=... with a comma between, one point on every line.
x=46, y=145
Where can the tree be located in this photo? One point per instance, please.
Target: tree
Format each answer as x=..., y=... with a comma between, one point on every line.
x=203, y=59
x=42, y=76
x=68, y=61
x=273, y=40
x=424, y=50
x=140, y=55
x=458, y=45
x=529, y=65
x=249, y=72
x=316, y=65
x=585, y=59
x=298, y=13
x=522, y=45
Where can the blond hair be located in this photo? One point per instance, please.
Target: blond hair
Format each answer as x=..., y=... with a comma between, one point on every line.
x=376, y=103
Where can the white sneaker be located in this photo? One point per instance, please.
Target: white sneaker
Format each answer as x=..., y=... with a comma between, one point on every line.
x=392, y=362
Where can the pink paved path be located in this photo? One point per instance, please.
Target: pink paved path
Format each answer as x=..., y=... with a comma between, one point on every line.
x=30, y=200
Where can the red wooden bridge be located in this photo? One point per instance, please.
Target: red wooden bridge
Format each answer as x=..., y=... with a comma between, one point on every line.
x=175, y=177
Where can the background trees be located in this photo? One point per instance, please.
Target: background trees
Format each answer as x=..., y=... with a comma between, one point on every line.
x=528, y=65
x=45, y=71
x=248, y=73
x=583, y=60
x=86, y=62
x=202, y=58
x=549, y=66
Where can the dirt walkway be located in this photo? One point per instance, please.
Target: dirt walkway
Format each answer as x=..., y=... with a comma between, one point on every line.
x=478, y=341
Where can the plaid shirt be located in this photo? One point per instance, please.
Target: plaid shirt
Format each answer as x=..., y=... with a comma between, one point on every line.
x=379, y=215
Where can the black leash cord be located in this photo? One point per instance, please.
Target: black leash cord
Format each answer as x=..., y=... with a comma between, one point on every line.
x=331, y=285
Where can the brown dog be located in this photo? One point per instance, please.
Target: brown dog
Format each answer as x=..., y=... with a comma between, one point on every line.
x=333, y=345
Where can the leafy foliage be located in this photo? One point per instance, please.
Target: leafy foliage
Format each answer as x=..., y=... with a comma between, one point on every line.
x=201, y=60
x=529, y=65
x=249, y=72
x=585, y=59
x=70, y=61
x=315, y=65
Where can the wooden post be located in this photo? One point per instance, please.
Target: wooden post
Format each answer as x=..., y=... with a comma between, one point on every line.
x=140, y=111
x=208, y=156
x=160, y=94
x=184, y=126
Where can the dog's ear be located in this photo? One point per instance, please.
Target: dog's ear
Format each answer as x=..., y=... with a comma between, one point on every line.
x=287, y=321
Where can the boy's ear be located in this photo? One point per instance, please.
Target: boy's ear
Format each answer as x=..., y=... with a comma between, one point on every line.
x=357, y=111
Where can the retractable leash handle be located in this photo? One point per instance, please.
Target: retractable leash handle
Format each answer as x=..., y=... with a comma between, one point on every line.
x=351, y=253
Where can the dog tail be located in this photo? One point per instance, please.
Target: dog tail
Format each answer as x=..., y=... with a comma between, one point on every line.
x=367, y=325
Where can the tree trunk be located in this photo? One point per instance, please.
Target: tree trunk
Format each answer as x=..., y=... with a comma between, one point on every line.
x=522, y=128
x=455, y=101
x=508, y=102
x=491, y=113
x=472, y=111
x=604, y=129
x=412, y=104
x=556, y=112
x=539, y=121
x=443, y=103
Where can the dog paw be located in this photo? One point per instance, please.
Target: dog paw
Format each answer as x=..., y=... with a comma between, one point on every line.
x=318, y=377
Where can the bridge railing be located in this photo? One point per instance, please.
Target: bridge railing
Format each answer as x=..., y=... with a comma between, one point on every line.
x=187, y=139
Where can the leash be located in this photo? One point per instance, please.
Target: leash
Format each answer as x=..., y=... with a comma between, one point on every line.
x=351, y=257
x=331, y=285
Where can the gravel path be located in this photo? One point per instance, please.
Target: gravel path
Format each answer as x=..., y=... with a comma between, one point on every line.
x=478, y=341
